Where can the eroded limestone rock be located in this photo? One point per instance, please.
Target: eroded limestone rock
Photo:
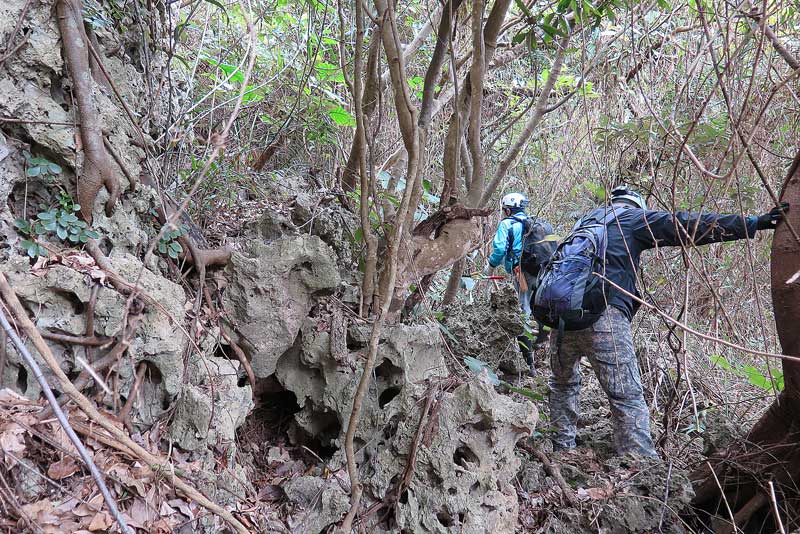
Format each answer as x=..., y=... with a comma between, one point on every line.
x=324, y=387
x=462, y=480
x=58, y=296
x=487, y=329
x=319, y=503
x=270, y=293
x=212, y=406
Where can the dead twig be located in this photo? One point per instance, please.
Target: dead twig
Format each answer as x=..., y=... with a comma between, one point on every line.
x=62, y=418
x=125, y=413
x=121, y=441
x=552, y=470
x=88, y=341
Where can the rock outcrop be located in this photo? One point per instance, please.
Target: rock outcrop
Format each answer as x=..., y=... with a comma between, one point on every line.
x=59, y=295
x=271, y=289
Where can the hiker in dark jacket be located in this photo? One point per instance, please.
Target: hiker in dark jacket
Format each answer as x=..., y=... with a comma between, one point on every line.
x=608, y=343
x=507, y=250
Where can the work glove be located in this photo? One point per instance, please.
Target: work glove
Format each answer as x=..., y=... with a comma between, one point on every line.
x=768, y=221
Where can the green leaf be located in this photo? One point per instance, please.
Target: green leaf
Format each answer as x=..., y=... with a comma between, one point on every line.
x=53, y=168
x=552, y=31
x=74, y=238
x=521, y=36
x=76, y=207
x=172, y=254
x=358, y=235
x=61, y=232
x=33, y=171
x=721, y=361
x=221, y=7
x=176, y=247
x=527, y=392
x=521, y=5
x=342, y=117
x=23, y=226
x=92, y=234
x=755, y=377
x=447, y=332
x=46, y=216
x=162, y=248
x=596, y=189
x=477, y=367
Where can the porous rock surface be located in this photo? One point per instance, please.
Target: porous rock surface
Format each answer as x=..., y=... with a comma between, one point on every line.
x=486, y=328
x=271, y=289
x=59, y=295
x=462, y=479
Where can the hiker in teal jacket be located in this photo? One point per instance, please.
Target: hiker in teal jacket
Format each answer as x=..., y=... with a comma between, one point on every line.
x=507, y=250
x=500, y=249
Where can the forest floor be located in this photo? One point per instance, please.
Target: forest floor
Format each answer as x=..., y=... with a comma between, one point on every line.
x=588, y=489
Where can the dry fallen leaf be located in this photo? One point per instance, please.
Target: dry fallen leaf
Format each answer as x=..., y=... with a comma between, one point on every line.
x=595, y=494
x=67, y=466
x=42, y=513
x=183, y=506
x=142, y=513
x=101, y=522
x=12, y=443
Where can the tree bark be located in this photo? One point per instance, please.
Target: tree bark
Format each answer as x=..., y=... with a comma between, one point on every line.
x=770, y=449
x=97, y=168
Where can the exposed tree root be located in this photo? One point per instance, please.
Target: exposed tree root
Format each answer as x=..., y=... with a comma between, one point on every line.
x=242, y=357
x=132, y=181
x=97, y=170
x=125, y=413
x=87, y=341
x=121, y=440
x=553, y=471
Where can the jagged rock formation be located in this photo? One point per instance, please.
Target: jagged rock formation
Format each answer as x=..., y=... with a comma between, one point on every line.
x=274, y=304
x=463, y=469
x=59, y=296
x=487, y=329
x=270, y=292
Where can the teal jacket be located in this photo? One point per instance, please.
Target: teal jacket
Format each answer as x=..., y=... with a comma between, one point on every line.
x=501, y=252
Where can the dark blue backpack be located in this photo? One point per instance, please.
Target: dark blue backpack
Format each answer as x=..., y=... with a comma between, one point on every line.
x=568, y=295
x=536, y=245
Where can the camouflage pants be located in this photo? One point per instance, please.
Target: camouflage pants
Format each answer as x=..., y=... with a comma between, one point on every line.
x=609, y=346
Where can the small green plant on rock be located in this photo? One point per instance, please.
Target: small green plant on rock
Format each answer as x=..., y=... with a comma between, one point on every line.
x=168, y=244
x=41, y=167
x=60, y=220
x=30, y=232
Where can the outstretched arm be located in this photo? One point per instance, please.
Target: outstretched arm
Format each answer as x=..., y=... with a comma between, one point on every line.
x=661, y=228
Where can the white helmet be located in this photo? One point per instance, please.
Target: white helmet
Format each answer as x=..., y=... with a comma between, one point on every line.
x=514, y=200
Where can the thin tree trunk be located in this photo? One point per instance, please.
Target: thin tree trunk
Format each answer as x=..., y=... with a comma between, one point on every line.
x=453, y=282
x=407, y=116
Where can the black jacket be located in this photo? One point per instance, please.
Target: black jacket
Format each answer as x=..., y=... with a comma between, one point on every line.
x=635, y=230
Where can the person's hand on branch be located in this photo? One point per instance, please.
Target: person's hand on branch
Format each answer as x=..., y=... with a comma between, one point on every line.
x=768, y=221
